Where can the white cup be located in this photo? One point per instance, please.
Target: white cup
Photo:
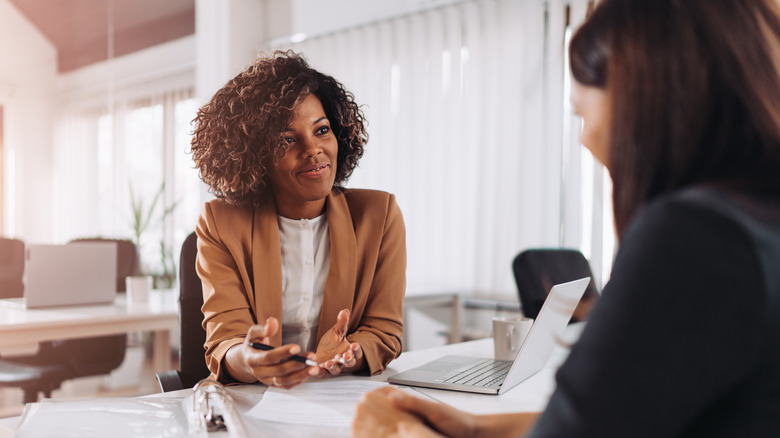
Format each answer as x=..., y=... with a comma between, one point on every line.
x=509, y=332
x=138, y=288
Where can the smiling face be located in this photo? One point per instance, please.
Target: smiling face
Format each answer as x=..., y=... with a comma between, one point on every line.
x=592, y=104
x=305, y=174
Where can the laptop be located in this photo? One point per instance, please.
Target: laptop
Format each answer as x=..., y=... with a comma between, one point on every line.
x=65, y=275
x=491, y=376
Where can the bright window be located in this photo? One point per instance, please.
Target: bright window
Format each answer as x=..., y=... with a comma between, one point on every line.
x=110, y=164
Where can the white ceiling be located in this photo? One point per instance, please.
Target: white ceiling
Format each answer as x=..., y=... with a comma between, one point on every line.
x=79, y=29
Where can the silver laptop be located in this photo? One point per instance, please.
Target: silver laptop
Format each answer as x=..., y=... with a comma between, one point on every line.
x=65, y=275
x=491, y=376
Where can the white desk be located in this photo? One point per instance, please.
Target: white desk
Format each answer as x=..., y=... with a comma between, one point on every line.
x=530, y=395
x=22, y=329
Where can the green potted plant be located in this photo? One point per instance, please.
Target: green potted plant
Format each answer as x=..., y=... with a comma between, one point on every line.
x=145, y=217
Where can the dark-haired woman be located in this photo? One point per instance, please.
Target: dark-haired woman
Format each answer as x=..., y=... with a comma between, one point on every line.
x=287, y=256
x=680, y=100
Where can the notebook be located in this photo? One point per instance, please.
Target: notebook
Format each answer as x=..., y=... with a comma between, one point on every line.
x=490, y=376
x=73, y=274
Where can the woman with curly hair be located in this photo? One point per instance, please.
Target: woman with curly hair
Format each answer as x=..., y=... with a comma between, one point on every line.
x=288, y=257
x=680, y=99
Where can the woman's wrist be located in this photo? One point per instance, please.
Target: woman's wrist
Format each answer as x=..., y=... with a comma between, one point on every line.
x=416, y=429
x=235, y=366
x=514, y=424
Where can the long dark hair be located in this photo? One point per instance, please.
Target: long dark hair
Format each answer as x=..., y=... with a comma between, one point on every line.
x=694, y=87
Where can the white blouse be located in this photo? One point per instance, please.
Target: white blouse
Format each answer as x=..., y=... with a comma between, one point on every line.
x=305, y=264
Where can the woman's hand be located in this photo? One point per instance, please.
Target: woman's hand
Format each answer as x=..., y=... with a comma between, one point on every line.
x=270, y=367
x=390, y=412
x=377, y=417
x=387, y=410
x=334, y=353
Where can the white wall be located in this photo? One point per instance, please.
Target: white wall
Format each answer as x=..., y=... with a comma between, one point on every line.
x=28, y=68
x=229, y=35
x=160, y=68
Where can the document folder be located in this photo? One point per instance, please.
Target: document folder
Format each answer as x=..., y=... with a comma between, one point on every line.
x=212, y=410
x=209, y=409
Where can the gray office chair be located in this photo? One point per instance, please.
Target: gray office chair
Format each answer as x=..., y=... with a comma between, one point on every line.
x=537, y=270
x=192, y=354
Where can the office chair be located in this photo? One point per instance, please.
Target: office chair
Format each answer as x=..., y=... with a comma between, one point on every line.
x=30, y=378
x=101, y=354
x=60, y=360
x=11, y=268
x=537, y=270
x=192, y=355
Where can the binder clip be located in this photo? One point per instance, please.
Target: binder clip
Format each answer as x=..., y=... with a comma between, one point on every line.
x=214, y=422
x=213, y=410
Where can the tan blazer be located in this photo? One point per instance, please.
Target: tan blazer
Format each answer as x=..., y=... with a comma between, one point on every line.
x=239, y=262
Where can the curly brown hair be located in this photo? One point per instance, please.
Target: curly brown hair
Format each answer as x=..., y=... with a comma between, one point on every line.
x=238, y=141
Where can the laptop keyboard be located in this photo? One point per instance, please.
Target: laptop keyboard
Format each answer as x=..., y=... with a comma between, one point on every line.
x=484, y=373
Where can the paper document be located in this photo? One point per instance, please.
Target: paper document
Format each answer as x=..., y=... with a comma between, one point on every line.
x=329, y=402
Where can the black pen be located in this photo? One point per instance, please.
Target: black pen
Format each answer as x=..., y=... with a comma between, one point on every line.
x=301, y=359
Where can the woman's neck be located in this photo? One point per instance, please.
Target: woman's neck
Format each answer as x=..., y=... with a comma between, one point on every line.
x=307, y=210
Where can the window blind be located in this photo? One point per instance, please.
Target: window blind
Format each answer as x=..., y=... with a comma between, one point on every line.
x=470, y=127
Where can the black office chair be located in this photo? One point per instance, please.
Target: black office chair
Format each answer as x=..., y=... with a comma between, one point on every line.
x=537, y=270
x=192, y=359
x=60, y=360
